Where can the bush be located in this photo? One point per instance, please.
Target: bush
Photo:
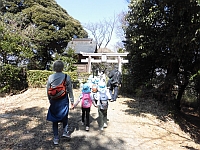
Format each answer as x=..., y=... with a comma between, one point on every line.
x=13, y=79
x=38, y=78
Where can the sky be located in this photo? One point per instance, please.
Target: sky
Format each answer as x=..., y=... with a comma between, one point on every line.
x=94, y=11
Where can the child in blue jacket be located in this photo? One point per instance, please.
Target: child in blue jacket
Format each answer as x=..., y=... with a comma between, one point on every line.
x=103, y=96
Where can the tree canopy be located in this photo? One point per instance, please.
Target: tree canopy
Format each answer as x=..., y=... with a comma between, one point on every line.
x=47, y=27
x=163, y=39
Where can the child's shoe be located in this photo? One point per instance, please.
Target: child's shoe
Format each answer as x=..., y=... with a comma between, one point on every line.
x=87, y=128
x=55, y=141
x=66, y=134
x=105, y=125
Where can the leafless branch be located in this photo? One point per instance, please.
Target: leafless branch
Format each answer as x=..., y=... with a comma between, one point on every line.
x=102, y=31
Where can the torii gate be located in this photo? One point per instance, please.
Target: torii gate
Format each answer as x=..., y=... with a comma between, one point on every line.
x=119, y=60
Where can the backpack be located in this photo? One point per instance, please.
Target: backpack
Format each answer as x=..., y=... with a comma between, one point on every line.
x=57, y=92
x=104, y=100
x=115, y=78
x=86, y=100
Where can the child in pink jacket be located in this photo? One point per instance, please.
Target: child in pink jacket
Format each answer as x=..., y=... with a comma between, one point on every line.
x=86, y=100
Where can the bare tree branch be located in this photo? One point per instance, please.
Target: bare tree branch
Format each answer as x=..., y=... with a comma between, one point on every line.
x=110, y=29
x=120, y=28
x=102, y=31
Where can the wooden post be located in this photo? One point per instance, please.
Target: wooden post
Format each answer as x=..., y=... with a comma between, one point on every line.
x=89, y=64
x=119, y=64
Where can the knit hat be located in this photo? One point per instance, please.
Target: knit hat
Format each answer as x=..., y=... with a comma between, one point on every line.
x=86, y=88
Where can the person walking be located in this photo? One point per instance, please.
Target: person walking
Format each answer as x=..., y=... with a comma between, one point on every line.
x=103, y=96
x=102, y=76
x=94, y=89
x=59, y=108
x=114, y=82
x=86, y=99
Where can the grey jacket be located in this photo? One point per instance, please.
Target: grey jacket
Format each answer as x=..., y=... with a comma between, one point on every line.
x=56, y=79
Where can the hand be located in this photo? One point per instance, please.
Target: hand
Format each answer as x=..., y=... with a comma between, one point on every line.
x=72, y=106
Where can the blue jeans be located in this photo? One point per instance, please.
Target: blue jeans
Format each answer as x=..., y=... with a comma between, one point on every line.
x=55, y=126
x=113, y=88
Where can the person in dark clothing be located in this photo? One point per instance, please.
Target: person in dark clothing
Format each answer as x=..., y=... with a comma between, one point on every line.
x=115, y=78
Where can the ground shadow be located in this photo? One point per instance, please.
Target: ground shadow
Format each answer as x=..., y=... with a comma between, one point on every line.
x=188, y=122
x=28, y=129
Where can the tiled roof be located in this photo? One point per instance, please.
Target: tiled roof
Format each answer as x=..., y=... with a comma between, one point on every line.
x=82, y=45
x=104, y=50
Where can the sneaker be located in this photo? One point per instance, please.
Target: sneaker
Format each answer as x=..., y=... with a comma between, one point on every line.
x=101, y=129
x=66, y=134
x=111, y=100
x=105, y=125
x=87, y=128
x=55, y=141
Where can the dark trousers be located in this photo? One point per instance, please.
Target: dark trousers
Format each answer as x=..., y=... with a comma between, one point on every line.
x=113, y=91
x=55, y=126
x=108, y=83
x=102, y=117
x=86, y=114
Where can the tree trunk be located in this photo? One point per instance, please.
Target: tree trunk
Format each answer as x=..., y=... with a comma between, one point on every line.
x=180, y=94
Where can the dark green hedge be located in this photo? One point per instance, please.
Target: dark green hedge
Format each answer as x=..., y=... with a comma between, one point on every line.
x=12, y=79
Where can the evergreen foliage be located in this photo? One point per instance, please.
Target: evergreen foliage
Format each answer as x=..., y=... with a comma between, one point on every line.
x=69, y=60
x=162, y=38
x=31, y=31
x=52, y=27
x=13, y=79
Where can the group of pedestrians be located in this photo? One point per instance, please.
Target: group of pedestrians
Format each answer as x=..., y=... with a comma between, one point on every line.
x=95, y=91
x=99, y=97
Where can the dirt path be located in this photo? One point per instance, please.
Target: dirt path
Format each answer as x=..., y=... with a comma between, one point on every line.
x=133, y=125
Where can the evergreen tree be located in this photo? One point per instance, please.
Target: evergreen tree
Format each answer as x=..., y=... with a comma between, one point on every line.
x=69, y=59
x=162, y=38
x=55, y=27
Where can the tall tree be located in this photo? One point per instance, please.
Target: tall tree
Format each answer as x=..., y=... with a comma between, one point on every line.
x=163, y=39
x=14, y=44
x=55, y=26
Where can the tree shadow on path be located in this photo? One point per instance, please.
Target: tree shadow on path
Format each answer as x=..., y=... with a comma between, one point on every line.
x=188, y=122
x=28, y=129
